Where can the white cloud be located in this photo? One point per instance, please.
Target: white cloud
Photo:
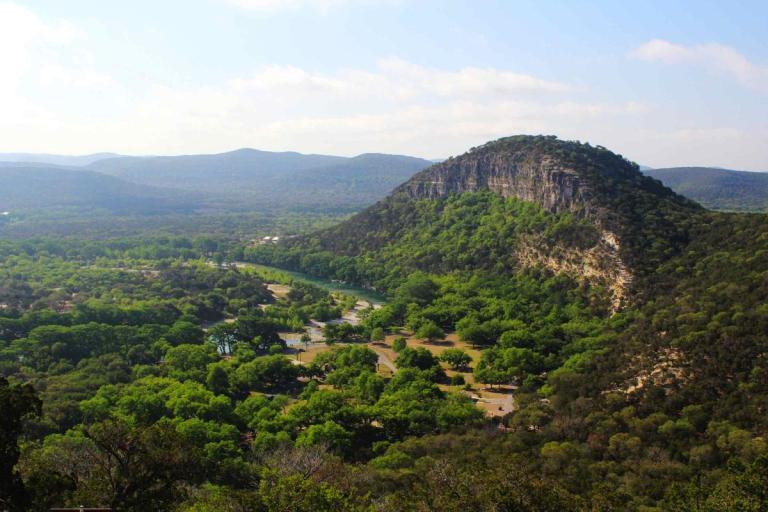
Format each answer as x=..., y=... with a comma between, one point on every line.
x=713, y=56
x=55, y=96
x=23, y=39
x=394, y=106
x=395, y=80
x=35, y=53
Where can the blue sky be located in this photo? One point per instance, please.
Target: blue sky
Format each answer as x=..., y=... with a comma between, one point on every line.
x=664, y=83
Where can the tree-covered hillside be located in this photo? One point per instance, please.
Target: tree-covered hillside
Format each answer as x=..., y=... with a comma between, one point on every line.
x=718, y=189
x=244, y=193
x=562, y=203
x=500, y=374
x=658, y=407
x=271, y=180
x=41, y=187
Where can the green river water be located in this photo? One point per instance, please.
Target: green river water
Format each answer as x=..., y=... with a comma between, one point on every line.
x=364, y=293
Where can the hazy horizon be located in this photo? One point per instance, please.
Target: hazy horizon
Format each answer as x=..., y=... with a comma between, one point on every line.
x=112, y=154
x=344, y=77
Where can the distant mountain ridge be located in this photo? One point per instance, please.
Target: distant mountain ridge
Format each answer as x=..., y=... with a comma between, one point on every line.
x=717, y=189
x=241, y=180
x=44, y=158
x=272, y=179
x=36, y=187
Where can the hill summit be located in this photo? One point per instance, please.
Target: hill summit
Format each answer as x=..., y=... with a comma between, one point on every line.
x=514, y=203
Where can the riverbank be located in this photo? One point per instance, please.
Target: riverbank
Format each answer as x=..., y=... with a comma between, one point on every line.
x=372, y=296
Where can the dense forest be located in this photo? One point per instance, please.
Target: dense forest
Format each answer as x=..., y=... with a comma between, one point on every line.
x=240, y=193
x=718, y=189
x=155, y=373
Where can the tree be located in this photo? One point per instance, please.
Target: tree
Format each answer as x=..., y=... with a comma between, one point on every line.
x=184, y=332
x=456, y=357
x=265, y=373
x=399, y=344
x=377, y=334
x=418, y=288
x=419, y=357
x=16, y=402
x=470, y=330
x=217, y=379
x=328, y=434
x=306, y=339
x=190, y=361
x=142, y=466
x=224, y=337
x=430, y=331
x=342, y=365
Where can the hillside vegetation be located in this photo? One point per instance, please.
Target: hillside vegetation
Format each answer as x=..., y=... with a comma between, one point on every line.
x=502, y=373
x=718, y=189
x=244, y=193
x=271, y=180
x=632, y=410
x=40, y=187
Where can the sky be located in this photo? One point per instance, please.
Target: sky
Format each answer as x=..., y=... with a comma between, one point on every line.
x=665, y=83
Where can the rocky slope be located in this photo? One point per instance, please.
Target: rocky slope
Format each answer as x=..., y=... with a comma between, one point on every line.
x=638, y=221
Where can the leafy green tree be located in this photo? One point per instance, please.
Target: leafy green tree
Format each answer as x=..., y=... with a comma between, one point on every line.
x=430, y=331
x=184, y=332
x=418, y=288
x=143, y=467
x=418, y=357
x=328, y=434
x=266, y=373
x=224, y=337
x=455, y=357
x=190, y=361
x=217, y=379
x=16, y=402
x=398, y=344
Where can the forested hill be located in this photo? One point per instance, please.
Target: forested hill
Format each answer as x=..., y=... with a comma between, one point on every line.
x=44, y=158
x=517, y=202
x=34, y=186
x=246, y=180
x=653, y=402
x=272, y=179
x=718, y=189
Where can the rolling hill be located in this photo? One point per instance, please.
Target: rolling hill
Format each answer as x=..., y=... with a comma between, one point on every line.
x=44, y=158
x=536, y=201
x=718, y=189
x=37, y=187
x=630, y=320
x=264, y=179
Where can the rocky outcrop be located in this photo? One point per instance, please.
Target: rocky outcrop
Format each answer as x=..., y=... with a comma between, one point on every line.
x=544, y=181
x=601, y=264
x=529, y=173
x=635, y=218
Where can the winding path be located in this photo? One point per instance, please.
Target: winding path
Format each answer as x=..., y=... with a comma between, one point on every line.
x=383, y=358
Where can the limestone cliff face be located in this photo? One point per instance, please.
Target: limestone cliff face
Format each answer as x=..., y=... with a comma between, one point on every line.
x=544, y=181
x=532, y=175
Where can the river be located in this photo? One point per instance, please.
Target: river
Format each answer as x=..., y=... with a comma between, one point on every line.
x=369, y=295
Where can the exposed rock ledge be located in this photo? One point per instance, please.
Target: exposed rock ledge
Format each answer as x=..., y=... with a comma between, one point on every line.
x=543, y=181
